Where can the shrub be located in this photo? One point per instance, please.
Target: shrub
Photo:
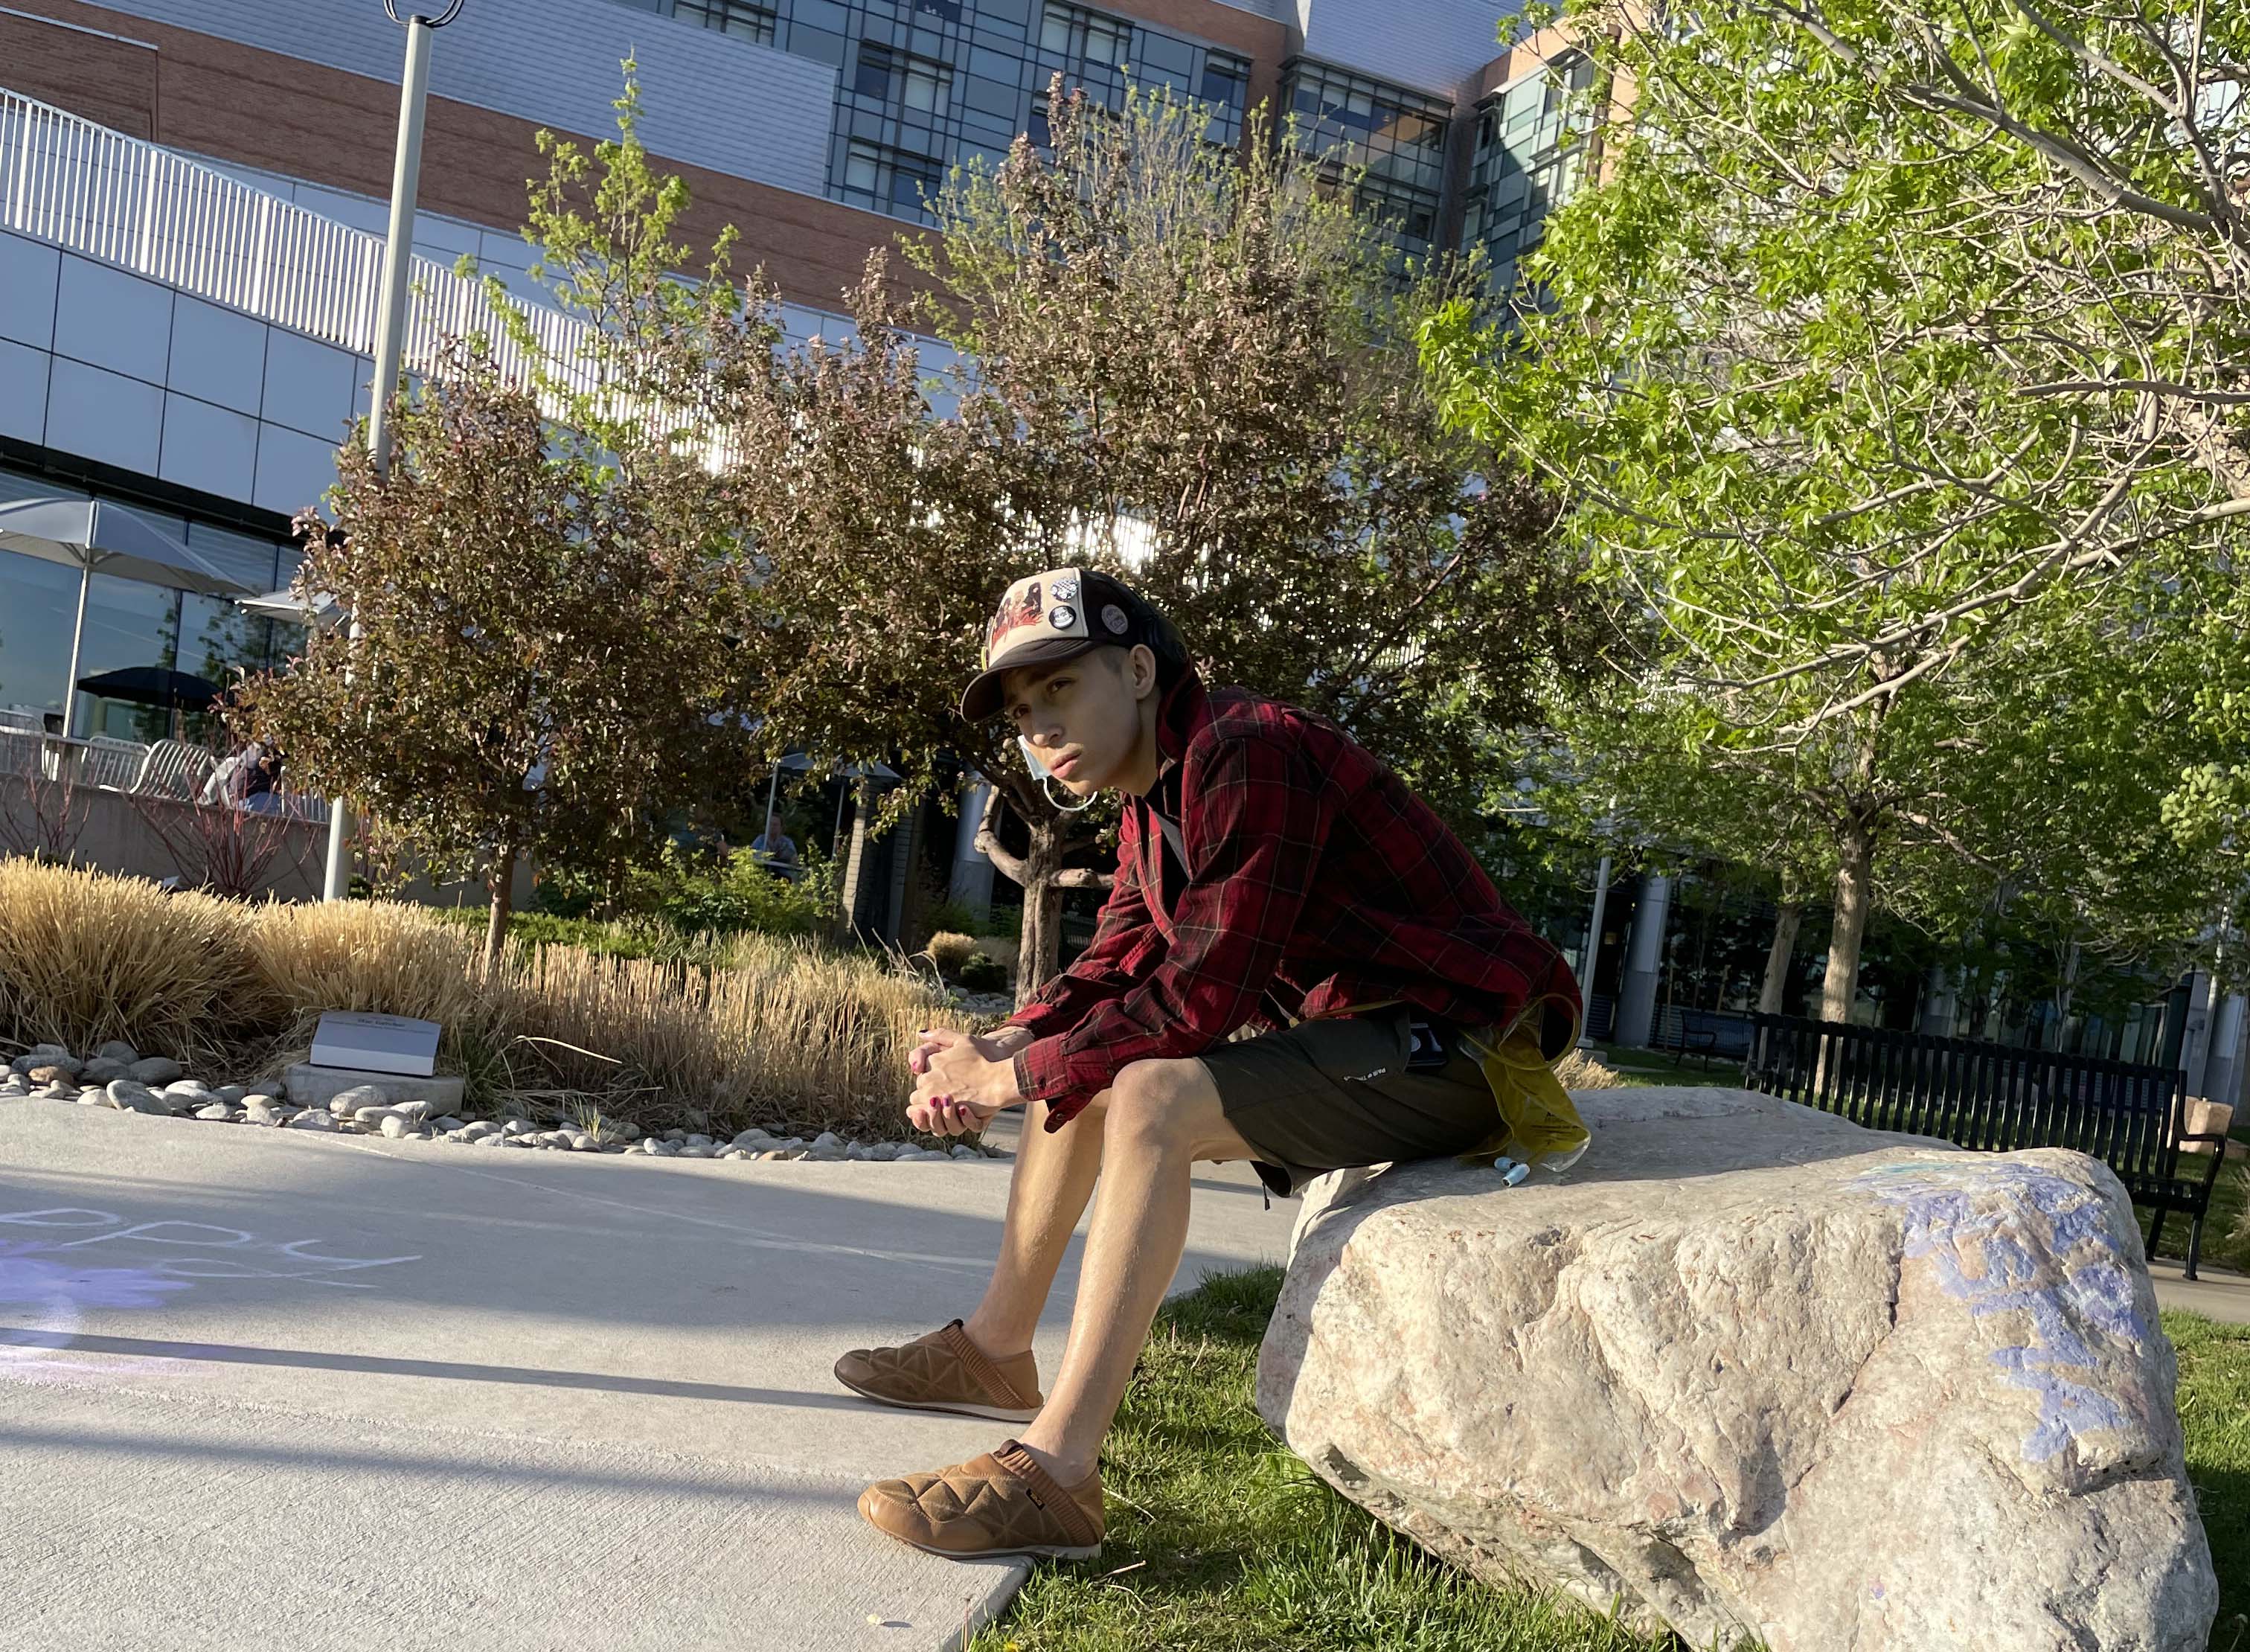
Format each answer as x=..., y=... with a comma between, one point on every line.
x=950, y=951
x=982, y=974
x=694, y=894
x=85, y=958
x=1580, y=1071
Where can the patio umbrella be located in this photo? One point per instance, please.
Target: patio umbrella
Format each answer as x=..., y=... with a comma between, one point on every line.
x=154, y=686
x=317, y=608
x=92, y=535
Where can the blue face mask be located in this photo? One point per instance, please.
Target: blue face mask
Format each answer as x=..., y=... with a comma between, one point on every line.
x=1040, y=773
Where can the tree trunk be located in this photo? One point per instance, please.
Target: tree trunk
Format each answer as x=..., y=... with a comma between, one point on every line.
x=1042, y=876
x=1786, y=919
x=1038, y=949
x=502, y=884
x=1855, y=845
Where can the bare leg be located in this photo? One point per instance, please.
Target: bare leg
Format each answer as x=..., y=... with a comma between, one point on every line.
x=1053, y=1178
x=1162, y=1117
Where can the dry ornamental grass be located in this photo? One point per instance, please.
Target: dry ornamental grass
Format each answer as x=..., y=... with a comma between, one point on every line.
x=785, y=1033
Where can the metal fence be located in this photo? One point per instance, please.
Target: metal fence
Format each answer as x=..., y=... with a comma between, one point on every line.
x=1989, y=1097
x=125, y=201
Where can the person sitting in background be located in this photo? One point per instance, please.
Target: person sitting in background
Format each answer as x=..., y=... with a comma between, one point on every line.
x=261, y=792
x=774, y=848
x=230, y=781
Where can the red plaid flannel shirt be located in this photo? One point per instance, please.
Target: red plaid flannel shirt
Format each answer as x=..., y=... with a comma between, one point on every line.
x=1313, y=874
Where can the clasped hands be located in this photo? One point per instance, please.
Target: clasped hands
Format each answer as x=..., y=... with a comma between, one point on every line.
x=961, y=1079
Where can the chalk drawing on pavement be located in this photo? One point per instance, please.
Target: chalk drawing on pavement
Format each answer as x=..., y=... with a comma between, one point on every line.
x=49, y=1283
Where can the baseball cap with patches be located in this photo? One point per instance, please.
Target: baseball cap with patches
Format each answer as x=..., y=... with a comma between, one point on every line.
x=1054, y=616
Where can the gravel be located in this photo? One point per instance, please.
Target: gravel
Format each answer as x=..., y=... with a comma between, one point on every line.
x=120, y=1077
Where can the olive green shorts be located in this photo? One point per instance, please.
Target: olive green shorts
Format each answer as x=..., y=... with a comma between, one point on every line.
x=1335, y=1092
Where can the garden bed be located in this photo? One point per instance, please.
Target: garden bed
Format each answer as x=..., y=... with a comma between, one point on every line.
x=786, y=1034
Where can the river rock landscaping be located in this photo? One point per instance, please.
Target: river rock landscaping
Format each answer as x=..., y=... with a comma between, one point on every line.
x=117, y=1076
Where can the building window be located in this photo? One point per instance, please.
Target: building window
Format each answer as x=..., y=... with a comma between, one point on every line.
x=1530, y=152
x=1085, y=37
x=890, y=180
x=1224, y=80
x=901, y=79
x=1395, y=137
x=739, y=17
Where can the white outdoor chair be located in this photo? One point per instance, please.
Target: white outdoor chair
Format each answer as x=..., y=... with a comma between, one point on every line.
x=174, y=769
x=109, y=762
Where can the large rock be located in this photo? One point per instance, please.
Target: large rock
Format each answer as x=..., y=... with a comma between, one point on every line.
x=1759, y=1372
x=310, y=1086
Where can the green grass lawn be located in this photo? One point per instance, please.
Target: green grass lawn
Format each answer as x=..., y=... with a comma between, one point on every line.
x=1219, y=1540
x=2215, y=1408
x=1654, y=1067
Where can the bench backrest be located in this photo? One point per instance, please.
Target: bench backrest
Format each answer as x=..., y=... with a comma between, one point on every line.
x=1720, y=1031
x=1989, y=1097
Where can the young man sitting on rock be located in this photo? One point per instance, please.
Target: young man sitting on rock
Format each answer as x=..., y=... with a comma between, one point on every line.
x=1271, y=874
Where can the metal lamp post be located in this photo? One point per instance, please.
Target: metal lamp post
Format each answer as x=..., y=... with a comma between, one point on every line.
x=391, y=322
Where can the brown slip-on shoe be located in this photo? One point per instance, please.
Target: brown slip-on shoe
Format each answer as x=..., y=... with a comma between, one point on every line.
x=1001, y=1502
x=946, y=1370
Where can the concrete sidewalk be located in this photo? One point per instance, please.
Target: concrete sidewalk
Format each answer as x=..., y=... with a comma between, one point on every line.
x=2216, y=1293
x=261, y=1389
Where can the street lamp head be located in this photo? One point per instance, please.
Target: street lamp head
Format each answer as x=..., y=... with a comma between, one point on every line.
x=452, y=9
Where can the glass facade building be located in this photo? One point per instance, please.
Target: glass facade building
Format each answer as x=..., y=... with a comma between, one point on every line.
x=1398, y=135
x=131, y=622
x=1530, y=150
x=923, y=84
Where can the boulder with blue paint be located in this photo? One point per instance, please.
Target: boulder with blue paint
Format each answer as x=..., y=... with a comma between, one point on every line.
x=1760, y=1374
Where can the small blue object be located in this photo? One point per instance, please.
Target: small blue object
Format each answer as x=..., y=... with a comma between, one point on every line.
x=1517, y=1173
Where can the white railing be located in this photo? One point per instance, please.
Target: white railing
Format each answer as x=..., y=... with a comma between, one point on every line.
x=128, y=203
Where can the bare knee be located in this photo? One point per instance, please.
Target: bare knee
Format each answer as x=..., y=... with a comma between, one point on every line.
x=1156, y=1102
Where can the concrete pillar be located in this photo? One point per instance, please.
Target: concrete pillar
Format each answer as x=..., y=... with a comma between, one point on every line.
x=906, y=852
x=1644, y=963
x=2195, y=1048
x=971, y=883
x=1938, y=1000
x=2223, y=1071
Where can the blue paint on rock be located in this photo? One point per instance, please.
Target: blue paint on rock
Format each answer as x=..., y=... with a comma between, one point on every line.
x=2044, y=1245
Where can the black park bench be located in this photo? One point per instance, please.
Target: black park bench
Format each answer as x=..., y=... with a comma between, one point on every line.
x=1706, y=1033
x=1995, y=1098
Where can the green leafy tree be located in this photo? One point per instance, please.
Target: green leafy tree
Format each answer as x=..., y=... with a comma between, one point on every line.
x=1888, y=338
x=1163, y=361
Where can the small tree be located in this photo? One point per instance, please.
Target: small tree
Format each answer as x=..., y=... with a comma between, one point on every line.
x=535, y=663
x=1165, y=362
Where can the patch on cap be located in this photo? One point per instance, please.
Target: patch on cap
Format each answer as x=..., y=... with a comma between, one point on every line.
x=1026, y=618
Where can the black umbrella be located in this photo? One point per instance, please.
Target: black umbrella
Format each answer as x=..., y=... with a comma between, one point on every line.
x=154, y=686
